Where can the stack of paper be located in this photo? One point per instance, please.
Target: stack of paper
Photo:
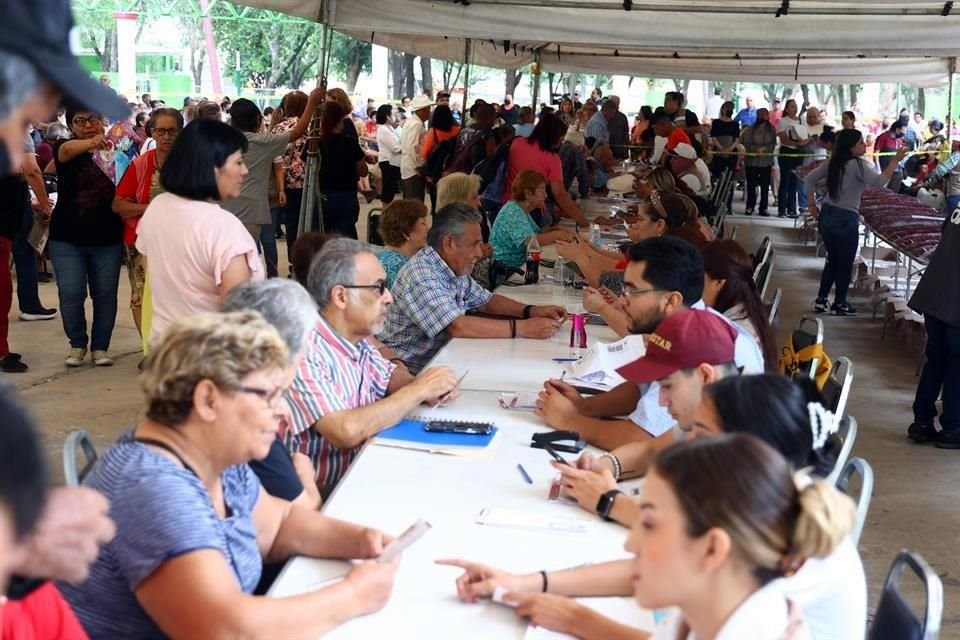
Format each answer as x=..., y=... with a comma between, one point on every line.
x=597, y=368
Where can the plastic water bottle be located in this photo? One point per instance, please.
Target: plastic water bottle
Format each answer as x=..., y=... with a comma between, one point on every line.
x=532, y=275
x=560, y=272
x=595, y=238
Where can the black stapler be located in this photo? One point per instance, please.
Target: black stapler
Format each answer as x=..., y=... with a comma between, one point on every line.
x=566, y=441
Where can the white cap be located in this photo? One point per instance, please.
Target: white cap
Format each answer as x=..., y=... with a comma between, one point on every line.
x=684, y=150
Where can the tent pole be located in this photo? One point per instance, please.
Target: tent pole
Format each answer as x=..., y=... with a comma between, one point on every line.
x=310, y=192
x=466, y=76
x=952, y=67
x=536, y=82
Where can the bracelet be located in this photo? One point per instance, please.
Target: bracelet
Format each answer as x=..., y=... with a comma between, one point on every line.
x=526, y=311
x=543, y=574
x=513, y=329
x=617, y=468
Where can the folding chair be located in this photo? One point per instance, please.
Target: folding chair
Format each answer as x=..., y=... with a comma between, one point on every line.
x=775, y=305
x=847, y=433
x=807, y=333
x=373, y=227
x=858, y=466
x=894, y=619
x=763, y=273
x=761, y=254
x=733, y=234
x=76, y=442
x=836, y=390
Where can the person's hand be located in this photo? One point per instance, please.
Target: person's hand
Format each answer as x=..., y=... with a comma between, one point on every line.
x=282, y=198
x=555, y=409
x=585, y=486
x=44, y=207
x=553, y=312
x=97, y=142
x=486, y=250
x=372, y=583
x=572, y=251
x=902, y=153
x=813, y=210
x=480, y=581
x=565, y=390
x=434, y=383
x=563, y=235
x=537, y=328
x=593, y=300
x=67, y=539
x=318, y=95
x=557, y=613
x=371, y=543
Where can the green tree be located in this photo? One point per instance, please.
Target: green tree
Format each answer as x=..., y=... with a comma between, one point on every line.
x=349, y=58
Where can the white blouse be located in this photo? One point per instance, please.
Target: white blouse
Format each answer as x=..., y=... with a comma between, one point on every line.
x=388, y=145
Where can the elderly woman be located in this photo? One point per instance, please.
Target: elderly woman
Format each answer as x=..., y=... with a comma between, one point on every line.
x=196, y=526
x=515, y=226
x=85, y=240
x=140, y=184
x=193, y=269
x=403, y=227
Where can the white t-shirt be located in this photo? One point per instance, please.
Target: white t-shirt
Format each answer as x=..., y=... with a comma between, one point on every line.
x=410, y=141
x=795, y=129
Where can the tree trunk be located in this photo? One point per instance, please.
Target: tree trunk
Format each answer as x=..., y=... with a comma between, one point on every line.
x=841, y=102
x=682, y=85
x=922, y=101
x=854, y=95
x=396, y=73
x=409, y=79
x=451, y=74
x=511, y=80
x=805, y=90
x=426, y=76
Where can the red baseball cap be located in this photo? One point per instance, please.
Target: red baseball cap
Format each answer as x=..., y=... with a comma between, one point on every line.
x=683, y=340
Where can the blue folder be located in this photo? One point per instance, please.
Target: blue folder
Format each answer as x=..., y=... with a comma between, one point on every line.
x=413, y=431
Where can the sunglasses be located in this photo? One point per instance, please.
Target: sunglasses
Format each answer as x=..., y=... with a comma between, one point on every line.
x=380, y=286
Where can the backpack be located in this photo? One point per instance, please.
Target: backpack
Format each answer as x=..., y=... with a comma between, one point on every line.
x=469, y=152
x=493, y=176
x=795, y=363
x=439, y=157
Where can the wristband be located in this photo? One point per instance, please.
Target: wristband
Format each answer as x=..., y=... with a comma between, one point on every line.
x=543, y=574
x=513, y=329
x=526, y=311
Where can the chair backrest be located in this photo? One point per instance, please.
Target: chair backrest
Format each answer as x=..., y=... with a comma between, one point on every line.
x=858, y=466
x=775, y=305
x=719, y=189
x=733, y=233
x=373, y=227
x=894, y=619
x=836, y=390
x=76, y=442
x=761, y=254
x=847, y=433
x=809, y=330
x=765, y=273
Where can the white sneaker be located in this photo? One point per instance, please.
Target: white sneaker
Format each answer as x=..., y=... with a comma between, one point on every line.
x=75, y=357
x=101, y=359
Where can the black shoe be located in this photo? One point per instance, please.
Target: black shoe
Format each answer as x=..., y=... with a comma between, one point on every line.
x=781, y=214
x=792, y=214
x=748, y=212
x=44, y=276
x=764, y=214
x=821, y=305
x=947, y=440
x=11, y=364
x=843, y=309
x=921, y=432
x=38, y=314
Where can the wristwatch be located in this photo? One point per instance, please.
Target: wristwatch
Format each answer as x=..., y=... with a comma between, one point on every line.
x=605, y=504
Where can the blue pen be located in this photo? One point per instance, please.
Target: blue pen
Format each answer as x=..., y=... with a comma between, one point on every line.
x=526, y=476
x=565, y=359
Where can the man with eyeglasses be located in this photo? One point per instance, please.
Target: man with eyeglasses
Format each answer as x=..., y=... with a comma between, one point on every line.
x=345, y=391
x=664, y=276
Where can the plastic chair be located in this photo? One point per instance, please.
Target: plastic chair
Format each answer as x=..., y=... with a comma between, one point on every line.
x=858, y=466
x=836, y=391
x=894, y=619
x=761, y=254
x=77, y=441
x=847, y=433
x=775, y=305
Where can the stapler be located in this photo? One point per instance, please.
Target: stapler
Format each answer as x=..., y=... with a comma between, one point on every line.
x=566, y=441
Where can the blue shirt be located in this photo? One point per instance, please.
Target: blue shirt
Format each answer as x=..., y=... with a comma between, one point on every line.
x=427, y=297
x=597, y=128
x=524, y=130
x=162, y=511
x=392, y=261
x=746, y=116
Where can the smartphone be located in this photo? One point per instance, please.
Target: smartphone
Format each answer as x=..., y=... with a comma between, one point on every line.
x=556, y=456
x=407, y=538
x=463, y=428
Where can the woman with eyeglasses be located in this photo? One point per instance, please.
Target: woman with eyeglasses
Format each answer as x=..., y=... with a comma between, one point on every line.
x=85, y=239
x=139, y=185
x=196, y=251
x=194, y=525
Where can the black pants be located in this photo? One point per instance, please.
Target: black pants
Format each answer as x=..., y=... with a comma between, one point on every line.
x=787, y=196
x=415, y=188
x=940, y=372
x=390, y=182
x=758, y=178
x=341, y=210
x=839, y=229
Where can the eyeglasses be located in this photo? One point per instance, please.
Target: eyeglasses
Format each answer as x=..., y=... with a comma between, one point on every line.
x=380, y=286
x=82, y=121
x=627, y=293
x=271, y=396
x=165, y=133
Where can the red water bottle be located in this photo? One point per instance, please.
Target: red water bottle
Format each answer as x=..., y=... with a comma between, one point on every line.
x=578, y=331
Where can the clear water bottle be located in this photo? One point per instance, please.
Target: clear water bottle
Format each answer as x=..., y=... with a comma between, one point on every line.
x=595, y=238
x=560, y=272
x=532, y=274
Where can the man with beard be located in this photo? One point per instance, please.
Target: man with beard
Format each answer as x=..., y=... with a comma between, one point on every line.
x=345, y=391
x=664, y=277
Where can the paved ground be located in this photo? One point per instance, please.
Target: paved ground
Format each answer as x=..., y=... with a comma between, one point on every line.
x=914, y=503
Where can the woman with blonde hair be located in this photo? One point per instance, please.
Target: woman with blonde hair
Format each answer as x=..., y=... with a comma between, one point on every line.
x=458, y=187
x=341, y=98
x=196, y=526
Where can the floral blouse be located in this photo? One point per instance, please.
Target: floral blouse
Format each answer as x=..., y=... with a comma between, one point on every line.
x=294, y=165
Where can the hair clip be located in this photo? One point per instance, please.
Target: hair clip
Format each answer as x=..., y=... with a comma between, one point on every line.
x=822, y=424
x=789, y=565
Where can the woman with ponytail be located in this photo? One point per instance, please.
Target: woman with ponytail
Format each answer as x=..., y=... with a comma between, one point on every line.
x=848, y=174
x=728, y=287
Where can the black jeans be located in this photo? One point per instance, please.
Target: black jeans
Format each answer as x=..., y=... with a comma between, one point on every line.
x=941, y=371
x=415, y=188
x=341, y=211
x=25, y=260
x=787, y=195
x=389, y=182
x=839, y=229
x=758, y=178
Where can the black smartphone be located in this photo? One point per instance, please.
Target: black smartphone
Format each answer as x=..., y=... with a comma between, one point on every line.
x=463, y=428
x=556, y=456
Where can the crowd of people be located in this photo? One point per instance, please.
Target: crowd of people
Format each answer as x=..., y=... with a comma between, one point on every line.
x=260, y=392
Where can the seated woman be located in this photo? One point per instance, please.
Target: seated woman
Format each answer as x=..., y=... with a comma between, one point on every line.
x=194, y=525
x=831, y=592
x=728, y=287
x=403, y=227
x=514, y=227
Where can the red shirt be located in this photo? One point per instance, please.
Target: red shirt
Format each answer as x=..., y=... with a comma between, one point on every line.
x=135, y=186
x=676, y=137
x=42, y=615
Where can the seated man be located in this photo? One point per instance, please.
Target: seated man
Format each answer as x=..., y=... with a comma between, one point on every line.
x=345, y=391
x=434, y=292
x=664, y=276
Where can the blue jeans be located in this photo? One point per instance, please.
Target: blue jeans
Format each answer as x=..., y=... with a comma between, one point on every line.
x=77, y=268
x=952, y=203
x=267, y=244
x=941, y=371
x=839, y=229
x=341, y=211
x=25, y=260
x=789, y=184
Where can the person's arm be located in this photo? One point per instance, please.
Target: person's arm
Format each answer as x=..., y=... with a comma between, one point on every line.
x=316, y=97
x=34, y=177
x=635, y=457
x=619, y=401
x=361, y=163
x=126, y=209
x=71, y=149
x=942, y=169
x=428, y=143
x=237, y=272
x=591, y=264
x=594, y=301
x=503, y=306
x=887, y=173
x=604, y=579
x=553, y=235
x=279, y=176
x=310, y=496
x=810, y=184
x=567, y=206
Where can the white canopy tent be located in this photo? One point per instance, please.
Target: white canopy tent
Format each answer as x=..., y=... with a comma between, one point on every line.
x=830, y=41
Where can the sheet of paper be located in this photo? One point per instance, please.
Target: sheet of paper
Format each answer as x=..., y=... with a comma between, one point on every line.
x=600, y=362
x=498, y=517
x=542, y=633
x=520, y=401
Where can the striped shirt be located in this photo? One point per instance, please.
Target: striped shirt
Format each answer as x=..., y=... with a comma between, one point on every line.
x=428, y=296
x=333, y=376
x=162, y=511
